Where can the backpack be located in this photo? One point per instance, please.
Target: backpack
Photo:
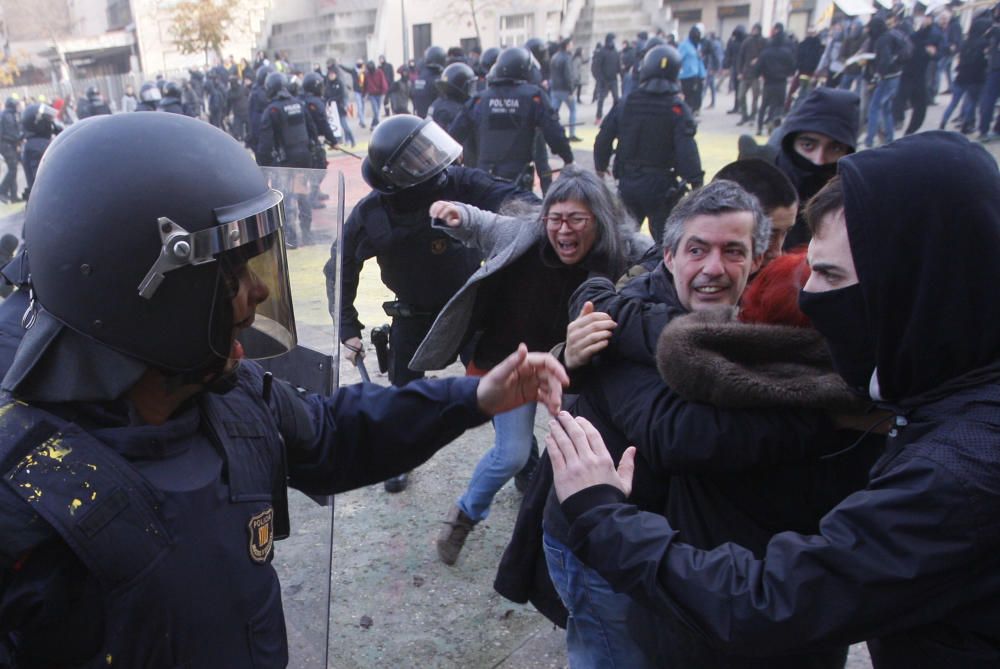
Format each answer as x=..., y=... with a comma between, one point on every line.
x=902, y=49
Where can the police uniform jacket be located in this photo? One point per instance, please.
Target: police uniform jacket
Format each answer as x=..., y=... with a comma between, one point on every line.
x=171, y=104
x=424, y=92
x=287, y=133
x=422, y=265
x=504, y=119
x=151, y=546
x=444, y=111
x=655, y=134
x=316, y=108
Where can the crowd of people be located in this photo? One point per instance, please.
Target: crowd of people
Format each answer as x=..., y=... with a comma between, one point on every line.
x=779, y=430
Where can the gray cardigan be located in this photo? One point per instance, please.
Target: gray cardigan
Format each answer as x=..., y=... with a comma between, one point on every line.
x=502, y=239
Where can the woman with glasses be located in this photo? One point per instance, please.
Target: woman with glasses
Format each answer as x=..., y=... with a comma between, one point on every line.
x=520, y=294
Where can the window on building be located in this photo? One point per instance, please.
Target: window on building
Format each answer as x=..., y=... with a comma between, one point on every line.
x=421, y=38
x=515, y=29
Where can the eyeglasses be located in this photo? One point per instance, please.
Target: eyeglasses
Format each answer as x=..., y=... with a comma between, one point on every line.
x=574, y=220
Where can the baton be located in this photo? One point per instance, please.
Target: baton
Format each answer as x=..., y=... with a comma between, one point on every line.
x=359, y=362
x=350, y=153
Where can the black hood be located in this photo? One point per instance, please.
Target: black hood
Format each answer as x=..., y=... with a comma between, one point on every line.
x=829, y=111
x=877, y=28
x=923, y=219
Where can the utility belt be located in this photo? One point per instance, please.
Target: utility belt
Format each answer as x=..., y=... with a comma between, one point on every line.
x=398, y=309
x=525, y=179
x=637, y=169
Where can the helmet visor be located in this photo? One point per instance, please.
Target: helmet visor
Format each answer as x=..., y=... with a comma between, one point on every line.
x=427, y=152
x=252, y=312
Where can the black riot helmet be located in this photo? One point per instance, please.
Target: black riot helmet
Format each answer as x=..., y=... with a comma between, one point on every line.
x=171, y=90
x=40, y=119
x=659, y=70
x=488, y=59
x=405, y=151
x=93, y=93
x=513, y=64
x=274, y=84
x=652, y=43
x=262, y=73
x=538, y=49
x=294, y=85
x=147, y=271
x=456, y=82
x=312, y=84
x=435, y=58
x=150, y=92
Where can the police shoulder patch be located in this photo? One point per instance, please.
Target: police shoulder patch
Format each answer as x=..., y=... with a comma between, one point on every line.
x=439, y=246
x=261, y=528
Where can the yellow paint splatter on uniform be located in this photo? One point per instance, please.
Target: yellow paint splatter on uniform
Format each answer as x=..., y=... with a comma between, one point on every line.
x=54, y=449
x=107, y=658
x=73, y=506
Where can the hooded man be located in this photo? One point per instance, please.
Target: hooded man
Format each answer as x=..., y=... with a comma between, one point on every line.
x=821, y=131
x=911, y=563
x=693, y=73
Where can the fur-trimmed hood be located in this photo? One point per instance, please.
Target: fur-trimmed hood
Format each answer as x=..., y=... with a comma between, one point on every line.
x=711, y=357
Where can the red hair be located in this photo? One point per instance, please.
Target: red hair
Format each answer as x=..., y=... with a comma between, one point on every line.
x=773, y=295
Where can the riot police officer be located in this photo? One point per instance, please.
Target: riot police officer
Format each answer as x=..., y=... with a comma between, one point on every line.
x=312, y=90
x=10, y=140
x=92, y=104
x=144, y=537
x=255, y=107
x=408, y=168
x=149, y=97
x=656, y=157
x=39, y=125
x=454, y=88
x=171, y=100
x=504, y=118
x=286, y=139
x=424, y=91
x=483, y=67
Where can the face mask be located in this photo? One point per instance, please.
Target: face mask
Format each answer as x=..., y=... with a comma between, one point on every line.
x=839, y=315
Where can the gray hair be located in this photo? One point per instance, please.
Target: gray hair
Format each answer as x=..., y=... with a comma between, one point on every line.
x=614, y=226
x=718, y=197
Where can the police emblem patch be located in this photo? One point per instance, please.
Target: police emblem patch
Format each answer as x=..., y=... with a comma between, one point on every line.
x=261, y=529
x=439, y=246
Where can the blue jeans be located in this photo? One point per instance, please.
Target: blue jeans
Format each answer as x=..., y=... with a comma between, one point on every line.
x=969, y=96
x=359, y=102
x=558, y=98
x=376, y=104
x=597, y=629
x=880, y=110
x=345, y=128
x=988, y=100
x=498, y=465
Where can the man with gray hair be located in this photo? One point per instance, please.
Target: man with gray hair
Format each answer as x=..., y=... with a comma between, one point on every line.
x=713, y=240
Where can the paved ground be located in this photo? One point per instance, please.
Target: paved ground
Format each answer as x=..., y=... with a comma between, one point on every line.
x=394, y=604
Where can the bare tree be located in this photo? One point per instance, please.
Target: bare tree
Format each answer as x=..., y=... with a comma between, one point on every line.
x=201, y=26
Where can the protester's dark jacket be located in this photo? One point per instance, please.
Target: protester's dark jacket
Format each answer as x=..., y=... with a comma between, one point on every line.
x=927, y=36
x=832, y=112
x=912, y=562
x=561, y=72
x=888, y=46
x=971, y=68
x=777, y=61
x=610, y=64
x=733, y=48
x=808, y=53
x=749, y=51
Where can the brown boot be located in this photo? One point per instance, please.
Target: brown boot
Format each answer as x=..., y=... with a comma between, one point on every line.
x=456, y=528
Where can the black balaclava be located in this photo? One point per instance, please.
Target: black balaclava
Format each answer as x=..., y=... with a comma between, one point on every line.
x=923, y=222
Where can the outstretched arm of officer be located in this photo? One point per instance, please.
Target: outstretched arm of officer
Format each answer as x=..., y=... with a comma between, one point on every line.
x=586, y=336
x=522, y=378
x=580, y=460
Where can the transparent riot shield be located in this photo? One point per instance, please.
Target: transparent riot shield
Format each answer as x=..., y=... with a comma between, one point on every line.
x=303, y=560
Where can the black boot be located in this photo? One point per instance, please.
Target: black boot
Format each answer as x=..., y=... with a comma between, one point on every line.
x=397, y=483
